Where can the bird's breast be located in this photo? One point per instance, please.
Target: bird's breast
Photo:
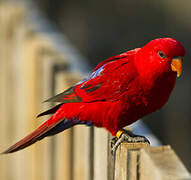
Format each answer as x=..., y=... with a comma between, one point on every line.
x=139, y=102
x=157, y=92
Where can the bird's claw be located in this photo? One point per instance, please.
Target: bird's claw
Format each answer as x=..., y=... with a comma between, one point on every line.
x=129, y=137
x=113, y=141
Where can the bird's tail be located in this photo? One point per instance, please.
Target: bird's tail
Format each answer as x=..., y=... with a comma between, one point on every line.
x=27, y=141
x=50, y=127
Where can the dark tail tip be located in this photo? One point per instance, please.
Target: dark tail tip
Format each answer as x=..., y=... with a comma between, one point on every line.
x=11, y=149
x=8, y=151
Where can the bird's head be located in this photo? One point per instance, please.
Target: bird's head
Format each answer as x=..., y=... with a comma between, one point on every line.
x=160, y=56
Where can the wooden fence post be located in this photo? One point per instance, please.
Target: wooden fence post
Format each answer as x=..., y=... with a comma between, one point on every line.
x=141, y=162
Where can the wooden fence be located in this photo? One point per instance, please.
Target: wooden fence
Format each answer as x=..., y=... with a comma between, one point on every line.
x=32, y=68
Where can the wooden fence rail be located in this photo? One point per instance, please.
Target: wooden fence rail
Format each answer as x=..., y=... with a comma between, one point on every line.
x=32, y=68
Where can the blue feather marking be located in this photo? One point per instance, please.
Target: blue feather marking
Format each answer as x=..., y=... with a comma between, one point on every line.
x=96, y=73
x=88, y=123
x=92, y=75
x=65, y=124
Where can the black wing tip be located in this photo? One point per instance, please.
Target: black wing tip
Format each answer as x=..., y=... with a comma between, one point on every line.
x=52, y=100
x=42, y=114
x=50, y=111
x=39, y=115
x=47, y=100
x=58, y=97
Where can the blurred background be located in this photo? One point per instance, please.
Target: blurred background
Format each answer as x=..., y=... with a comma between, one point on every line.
x=91, y=31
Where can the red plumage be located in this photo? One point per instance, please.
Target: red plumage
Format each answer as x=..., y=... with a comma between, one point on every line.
x=119, y=91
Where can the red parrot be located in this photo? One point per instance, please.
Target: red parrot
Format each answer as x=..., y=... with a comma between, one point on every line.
x=119, y=91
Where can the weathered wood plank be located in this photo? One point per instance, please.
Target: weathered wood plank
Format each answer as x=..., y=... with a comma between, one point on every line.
x=16, y=88
x=81, y=151
x=63, y=151
x=142, y=162
x=121, y=163
x=147, y=168
x=5, y=90
x=111, y=160
x=166, y=162
x=42, y=149
x=100, y=154
x=58, y=147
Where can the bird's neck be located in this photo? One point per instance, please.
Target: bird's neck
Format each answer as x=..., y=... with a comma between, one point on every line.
x=158, y=89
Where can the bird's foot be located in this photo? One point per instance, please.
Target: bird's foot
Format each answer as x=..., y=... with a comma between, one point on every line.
x=126, y=136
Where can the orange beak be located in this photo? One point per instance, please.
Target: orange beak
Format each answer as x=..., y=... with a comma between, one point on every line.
x=176, y=66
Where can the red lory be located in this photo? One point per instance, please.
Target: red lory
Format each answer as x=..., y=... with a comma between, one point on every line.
x=118, y=92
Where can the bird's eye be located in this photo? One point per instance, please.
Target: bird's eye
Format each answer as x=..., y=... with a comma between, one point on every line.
x=161, y=54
